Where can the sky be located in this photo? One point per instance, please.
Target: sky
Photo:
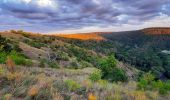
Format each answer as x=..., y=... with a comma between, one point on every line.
x=82, y=16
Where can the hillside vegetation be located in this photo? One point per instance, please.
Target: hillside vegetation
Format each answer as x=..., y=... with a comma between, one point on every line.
x=108, y=66
x=145, y=49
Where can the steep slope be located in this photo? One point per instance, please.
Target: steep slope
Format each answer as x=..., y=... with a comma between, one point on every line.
x=141, y=48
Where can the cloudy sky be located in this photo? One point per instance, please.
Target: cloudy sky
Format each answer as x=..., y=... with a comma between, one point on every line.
x=70, y=16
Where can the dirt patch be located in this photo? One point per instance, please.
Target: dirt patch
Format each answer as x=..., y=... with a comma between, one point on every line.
x=33, y=53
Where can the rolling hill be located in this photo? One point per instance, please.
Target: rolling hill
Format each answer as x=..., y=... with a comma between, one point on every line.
x=100, y=65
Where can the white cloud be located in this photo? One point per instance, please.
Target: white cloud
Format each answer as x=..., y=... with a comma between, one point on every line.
x=45, y=3
x=27, y=1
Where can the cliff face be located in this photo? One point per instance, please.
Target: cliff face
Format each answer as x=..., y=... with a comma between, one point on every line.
x=156, y=31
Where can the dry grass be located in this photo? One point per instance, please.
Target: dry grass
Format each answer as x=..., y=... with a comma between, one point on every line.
x=46, y=83
x=31, y=52
x=33, y=91
x=91, y=96
x=10, y=65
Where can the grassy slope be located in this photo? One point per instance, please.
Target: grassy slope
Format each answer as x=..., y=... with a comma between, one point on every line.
x=49, y=83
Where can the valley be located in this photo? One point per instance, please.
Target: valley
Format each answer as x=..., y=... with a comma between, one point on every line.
x=93, y=66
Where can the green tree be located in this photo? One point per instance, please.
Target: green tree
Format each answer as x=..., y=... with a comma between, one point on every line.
x=110, y=71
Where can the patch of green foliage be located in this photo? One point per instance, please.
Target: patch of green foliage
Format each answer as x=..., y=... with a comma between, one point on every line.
x=8, y=49
x=53, y=64
x=42, y=63
x=72, y=85
x=148, y=82
x=75, y=65
x=110, y=70
x=82, y=54
x=95, y=76
x=19, y=59
x=35, y=44
x=3, y=57
x=4, y=44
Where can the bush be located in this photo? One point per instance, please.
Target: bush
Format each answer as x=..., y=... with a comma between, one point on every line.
x=35, y=44
x=4, y=44
x=3, y=57
x=53, y=64
x=119, y=75
x=72, y=85
x=147, y=82
x=107, y=64
x=2, y=71
x=75, y=65
x=116, y=75
x=42, y=64
x=85, y=64
x=110, y=71
x=95, y=76
x=28, y=62
x=163, y=87
x=20, y=59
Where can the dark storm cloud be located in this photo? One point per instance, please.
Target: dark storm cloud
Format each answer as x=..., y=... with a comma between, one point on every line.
x=64, y=14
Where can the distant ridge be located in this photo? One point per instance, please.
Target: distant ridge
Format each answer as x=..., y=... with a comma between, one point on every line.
x=85, y=36
x=157, y=30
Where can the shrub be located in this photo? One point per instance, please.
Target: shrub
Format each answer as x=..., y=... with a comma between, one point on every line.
x=28, y=62
x=35, y=44
x=110, y=71
x=20, y=59
x=95, y=76
x=42, y=64
x=74, y=64
x=2, y=71
x=107, y=64
x=142, y=84
x=53, y=64
x=4, y=44
x=85, y=64
x=14, y=76
x=72, y=85
x=10, y=64
x=91, y=97
x=163, y=87
x=3, y=57
x=33, y=91
x=145, y=81
x=119, y=75
x=7, y=97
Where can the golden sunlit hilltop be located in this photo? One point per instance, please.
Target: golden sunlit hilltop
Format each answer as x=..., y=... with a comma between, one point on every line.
x=157, y=30
x=85, y=36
